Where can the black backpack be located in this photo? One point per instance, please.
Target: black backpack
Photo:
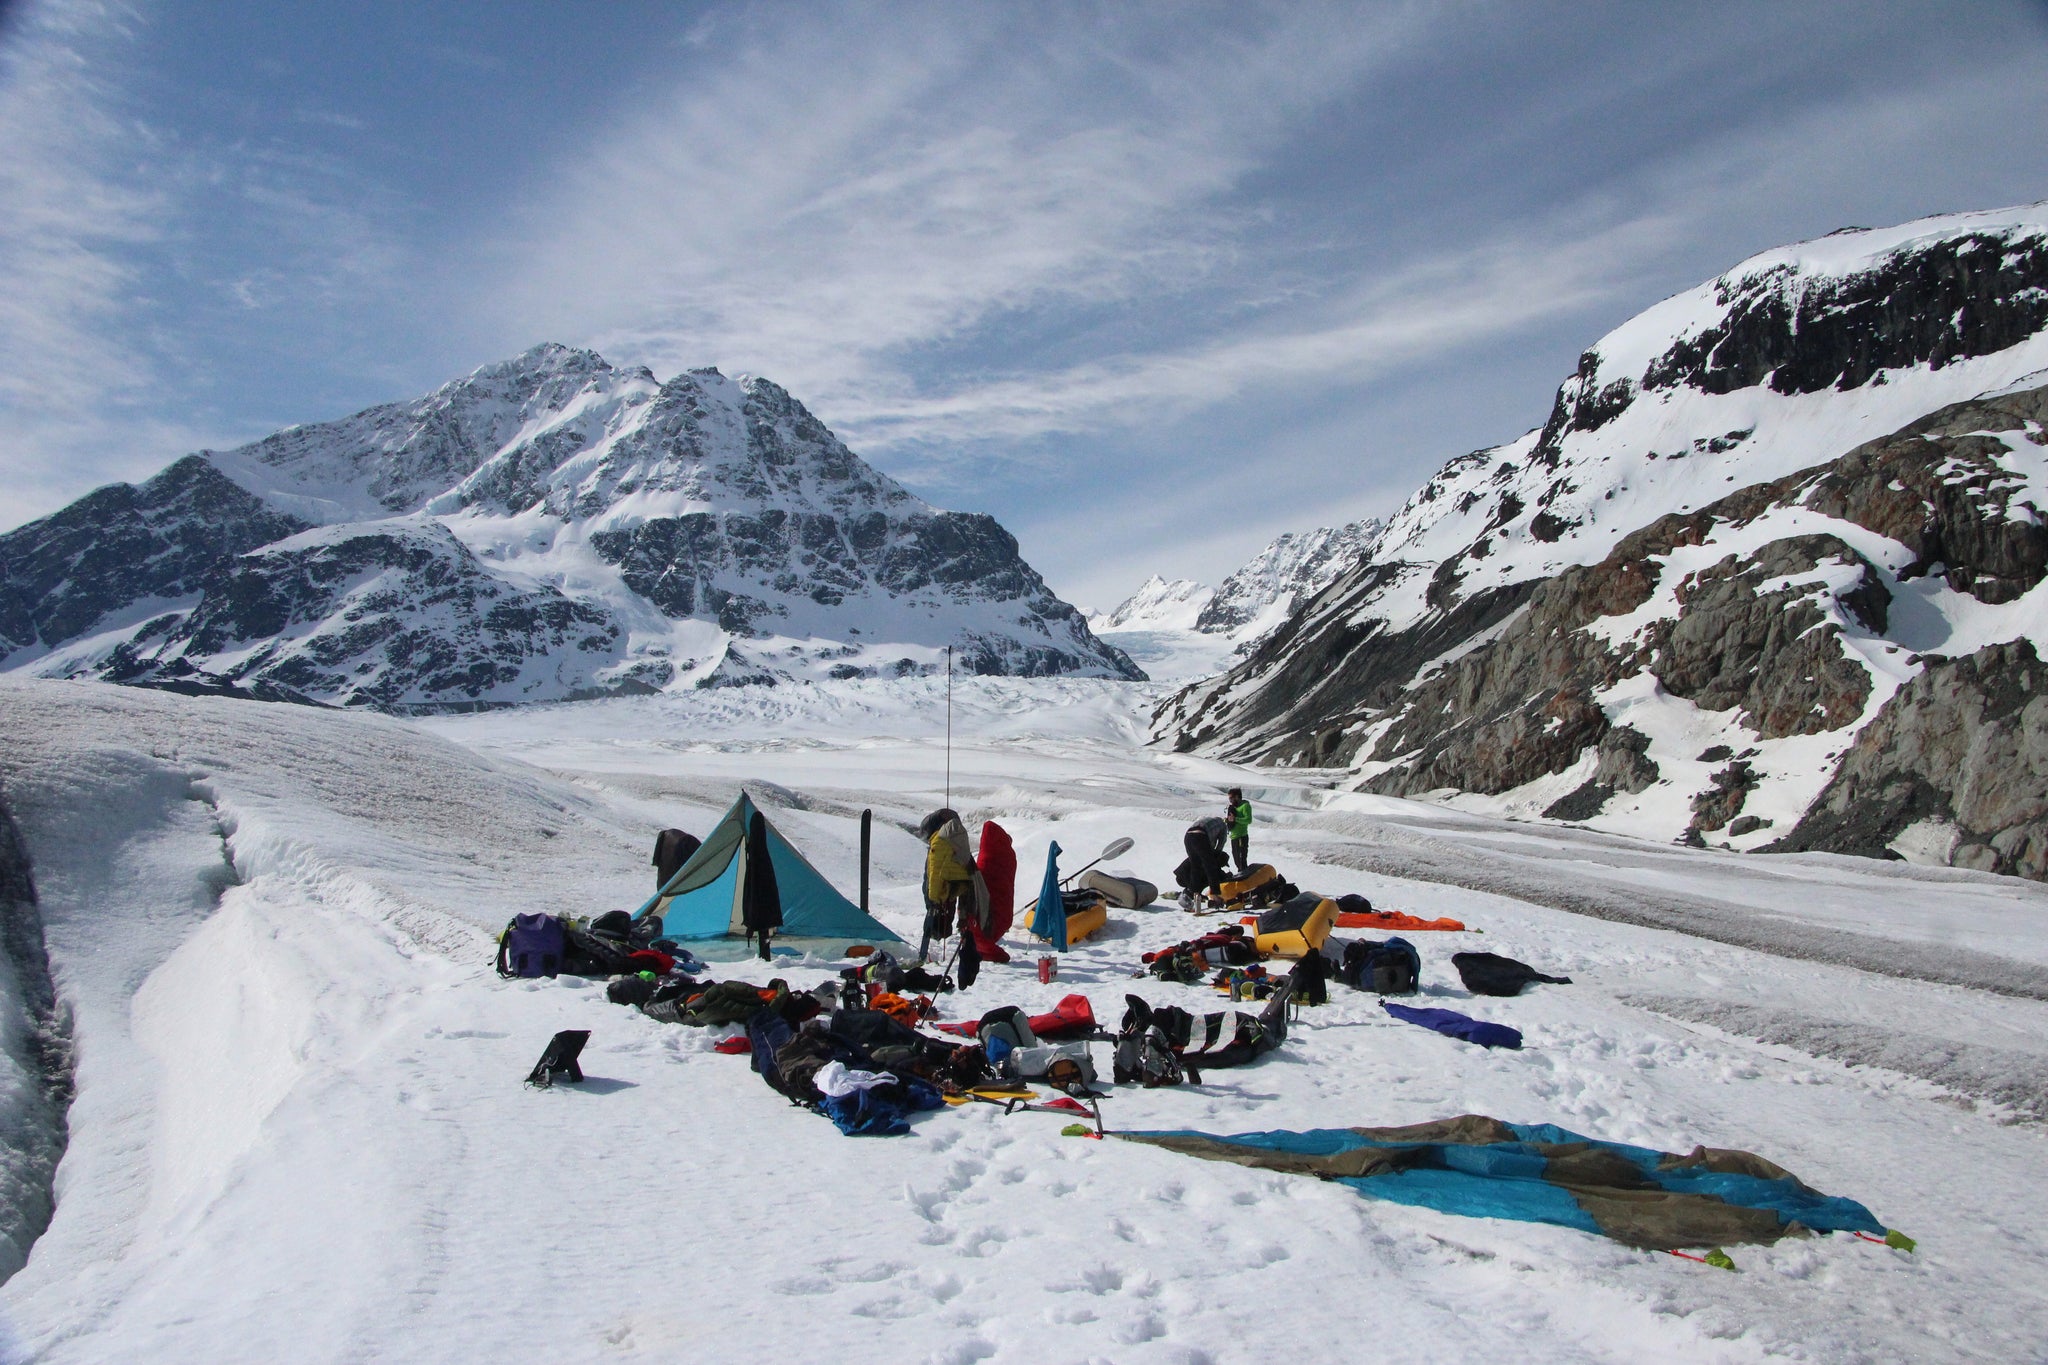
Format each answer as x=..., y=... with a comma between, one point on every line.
x=590, y=954
x=1389, y=968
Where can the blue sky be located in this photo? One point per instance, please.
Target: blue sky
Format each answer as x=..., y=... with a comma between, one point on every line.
x=1151, y=284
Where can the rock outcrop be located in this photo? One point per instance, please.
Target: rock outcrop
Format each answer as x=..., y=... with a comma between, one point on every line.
x=1954, y=768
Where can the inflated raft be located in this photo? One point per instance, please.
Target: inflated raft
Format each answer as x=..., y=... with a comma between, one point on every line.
x=1125, y=893
x=1087, y=913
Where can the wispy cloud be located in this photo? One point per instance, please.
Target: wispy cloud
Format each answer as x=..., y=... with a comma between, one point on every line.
x=833, y=206
x=131, y=255
x=71, y=380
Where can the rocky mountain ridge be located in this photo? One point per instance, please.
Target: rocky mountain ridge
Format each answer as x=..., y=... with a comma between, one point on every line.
x=547, y=527
x=1253, y=599
x=1767, y=576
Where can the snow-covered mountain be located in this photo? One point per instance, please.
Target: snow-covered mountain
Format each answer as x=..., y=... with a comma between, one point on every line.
x=1158, y=604
x=1769, y=573
x=1180, y=629
x=547, y=527
x=1294, y=568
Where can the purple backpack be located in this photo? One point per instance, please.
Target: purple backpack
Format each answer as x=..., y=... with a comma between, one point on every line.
x=531, y=945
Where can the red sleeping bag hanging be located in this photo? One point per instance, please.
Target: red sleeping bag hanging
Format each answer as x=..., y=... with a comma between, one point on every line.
x=997, y=861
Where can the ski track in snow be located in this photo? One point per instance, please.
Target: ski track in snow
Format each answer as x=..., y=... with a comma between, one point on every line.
x=299, y=1130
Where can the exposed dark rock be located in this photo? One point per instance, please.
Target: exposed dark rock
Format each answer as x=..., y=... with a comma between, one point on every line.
x=1713, y=808
x=35, y=1107
x=1776, y=655
x=1963, y=748
x=1582, y=802
x=1965, y=296
x=1335, y=670
x=386, y=614
x=1936, y=488
x=62, y=575
x=1623, y=760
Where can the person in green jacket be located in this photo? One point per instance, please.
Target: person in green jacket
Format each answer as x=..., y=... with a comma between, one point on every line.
x=1239, y=817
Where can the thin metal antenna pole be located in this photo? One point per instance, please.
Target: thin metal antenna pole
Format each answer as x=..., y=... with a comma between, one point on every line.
x=949, y=725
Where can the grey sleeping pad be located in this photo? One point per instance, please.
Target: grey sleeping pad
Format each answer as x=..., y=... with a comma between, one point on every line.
x=1125, y=893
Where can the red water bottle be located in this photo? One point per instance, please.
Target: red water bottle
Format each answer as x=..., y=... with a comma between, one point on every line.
x=1048, y=968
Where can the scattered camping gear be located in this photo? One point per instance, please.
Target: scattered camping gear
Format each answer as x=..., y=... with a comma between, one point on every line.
x=883, y=971
x=1309, y=980
x=1492, y=974
x=1539, y=1173
x=1048, y=970
x=589, y=953
x=1452, y=1024
x=1193, y=960
x=1226, y=1038
x=672, y=848
x=1014, y=1098
x=1258, y=885
x=637, y=989
x=829, y=1073
x=1115, y=848
x=1085, y=914
x=558, y=1061
x=1144, y=1053
x=1017, y=1052
x=1355, y=912
x=1297, y=927
x=1072, y=1015
x=531, y=946
x=1125, y=893
x=706, y=904
x=1392, y=967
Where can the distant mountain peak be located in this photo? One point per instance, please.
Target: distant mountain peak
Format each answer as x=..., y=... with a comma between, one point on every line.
x=545, y=526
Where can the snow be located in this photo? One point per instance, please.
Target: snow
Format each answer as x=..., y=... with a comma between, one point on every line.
x=299, y=1130
x=1167, y=626
x=1158, y=604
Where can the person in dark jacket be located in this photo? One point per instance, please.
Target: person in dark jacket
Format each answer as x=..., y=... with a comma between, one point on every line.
x=1203, y=868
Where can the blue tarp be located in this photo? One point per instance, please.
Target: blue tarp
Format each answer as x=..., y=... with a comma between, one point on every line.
x=1546, y=1174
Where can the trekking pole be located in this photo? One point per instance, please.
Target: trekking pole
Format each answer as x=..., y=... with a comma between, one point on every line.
x=867, y=825
x=949, y=725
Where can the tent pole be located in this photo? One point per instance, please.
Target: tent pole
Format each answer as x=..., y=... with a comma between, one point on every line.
x=867, y=823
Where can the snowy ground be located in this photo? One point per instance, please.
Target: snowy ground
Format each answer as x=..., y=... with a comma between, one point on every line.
x=299, y=1131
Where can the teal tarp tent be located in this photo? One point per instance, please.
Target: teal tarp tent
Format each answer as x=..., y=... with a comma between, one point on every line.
x=704, y=904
